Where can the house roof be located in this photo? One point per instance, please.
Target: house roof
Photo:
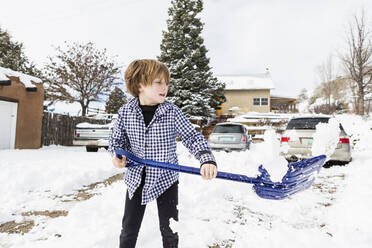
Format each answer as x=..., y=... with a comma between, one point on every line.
x=23, y=78
x=247, y=81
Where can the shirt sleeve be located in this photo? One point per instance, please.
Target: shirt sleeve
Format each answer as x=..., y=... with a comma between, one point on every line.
x=193, y=140
x=119, y=138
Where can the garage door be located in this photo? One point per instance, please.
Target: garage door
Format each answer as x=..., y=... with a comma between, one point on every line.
x=8, y=122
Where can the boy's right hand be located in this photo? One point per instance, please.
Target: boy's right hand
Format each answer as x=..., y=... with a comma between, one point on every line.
x=119, y=163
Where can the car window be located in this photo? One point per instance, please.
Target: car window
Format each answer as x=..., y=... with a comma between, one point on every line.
x=228, y=129
x=308, y=123
x=305, y=123
x=341, y=127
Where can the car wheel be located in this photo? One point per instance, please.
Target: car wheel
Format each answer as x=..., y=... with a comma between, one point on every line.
x=91, y=148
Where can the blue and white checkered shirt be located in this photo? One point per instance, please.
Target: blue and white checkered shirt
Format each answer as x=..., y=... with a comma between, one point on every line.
x=157, y=142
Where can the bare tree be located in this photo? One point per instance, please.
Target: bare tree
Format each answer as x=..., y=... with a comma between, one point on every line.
x=303, y=96
x=358, y=58
x=327, y=75
x=81, y=73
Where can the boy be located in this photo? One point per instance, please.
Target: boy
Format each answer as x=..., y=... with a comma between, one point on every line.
x=147, y=126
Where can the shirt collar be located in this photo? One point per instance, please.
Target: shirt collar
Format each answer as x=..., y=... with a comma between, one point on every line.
x=162, y=108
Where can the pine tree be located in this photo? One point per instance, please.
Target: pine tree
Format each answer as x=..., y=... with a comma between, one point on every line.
x=193, y=87
x=116, y=99
x=13, y=57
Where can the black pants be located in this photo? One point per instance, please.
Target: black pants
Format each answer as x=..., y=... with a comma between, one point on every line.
x=134, y=211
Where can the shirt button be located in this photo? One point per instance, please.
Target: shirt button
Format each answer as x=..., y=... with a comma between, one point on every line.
x=146, y=145
x=147, y=131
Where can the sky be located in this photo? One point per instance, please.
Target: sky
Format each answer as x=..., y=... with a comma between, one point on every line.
x=290, y=37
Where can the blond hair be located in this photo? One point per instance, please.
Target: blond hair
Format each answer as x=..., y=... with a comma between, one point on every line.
x=144, y=71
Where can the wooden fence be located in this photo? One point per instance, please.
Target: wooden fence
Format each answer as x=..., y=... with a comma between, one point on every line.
x=58, y=129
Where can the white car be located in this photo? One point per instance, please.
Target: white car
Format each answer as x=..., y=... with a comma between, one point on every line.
x=93, y=136
x=304, y=128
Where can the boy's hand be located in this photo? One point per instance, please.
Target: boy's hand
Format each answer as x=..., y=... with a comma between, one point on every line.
x=119, y=163
x=208, y=171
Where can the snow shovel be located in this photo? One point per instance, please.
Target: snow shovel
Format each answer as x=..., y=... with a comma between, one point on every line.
x=300, y=175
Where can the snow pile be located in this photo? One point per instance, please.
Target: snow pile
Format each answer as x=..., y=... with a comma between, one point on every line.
x=276, y=165
x=90, y=125
x=55, y=170
x=326, y=138
x=359, y=131
x=25, y=79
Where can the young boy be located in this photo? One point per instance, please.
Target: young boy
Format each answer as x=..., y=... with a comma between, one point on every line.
x=147, y=126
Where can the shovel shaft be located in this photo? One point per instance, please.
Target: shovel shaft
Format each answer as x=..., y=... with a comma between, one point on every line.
x=185, y=169
x=300, y=175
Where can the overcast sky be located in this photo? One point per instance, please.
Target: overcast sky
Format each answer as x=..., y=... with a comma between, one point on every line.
x=290, y=37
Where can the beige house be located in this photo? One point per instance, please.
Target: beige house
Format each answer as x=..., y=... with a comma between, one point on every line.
x=247, y=93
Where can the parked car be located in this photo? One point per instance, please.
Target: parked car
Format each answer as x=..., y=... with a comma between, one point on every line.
x=230, y=136
x=304, y=128
x=93, y=136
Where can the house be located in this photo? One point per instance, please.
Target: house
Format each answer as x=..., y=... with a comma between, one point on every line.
x=21, y=108
x=247, y=93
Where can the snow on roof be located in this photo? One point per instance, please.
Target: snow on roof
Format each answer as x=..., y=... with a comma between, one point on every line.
x=3, y=77
x=25, y=79
x=253, y=117
x=306, y=115
x=248, y=81
x=282, y=96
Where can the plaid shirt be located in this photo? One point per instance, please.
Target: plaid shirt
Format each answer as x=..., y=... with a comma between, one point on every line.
x=157, y=142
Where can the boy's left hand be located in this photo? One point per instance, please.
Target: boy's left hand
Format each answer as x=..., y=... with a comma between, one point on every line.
x=208, y=171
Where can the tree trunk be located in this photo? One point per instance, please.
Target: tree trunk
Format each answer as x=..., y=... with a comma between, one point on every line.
x=329, y=104
x=361, y=102
x=83, y=109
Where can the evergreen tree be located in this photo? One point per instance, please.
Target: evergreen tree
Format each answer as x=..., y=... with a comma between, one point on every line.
x=116, y=99
x=13, y=57
x=193, y=87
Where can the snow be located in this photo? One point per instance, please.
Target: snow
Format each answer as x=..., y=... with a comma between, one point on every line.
x=3, y=77
x=25, y=79
x=326, y=138
x=256, y=117
x=276, y=165
x=247, y=82
x=89, y=125
x=334, y=212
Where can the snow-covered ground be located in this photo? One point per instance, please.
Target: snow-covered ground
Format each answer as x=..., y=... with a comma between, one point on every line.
x=334, y=212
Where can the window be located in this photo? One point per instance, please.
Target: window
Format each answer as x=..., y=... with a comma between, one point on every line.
x=260, y=101
x=256, y=101
x=305, y=123
x=228, y=128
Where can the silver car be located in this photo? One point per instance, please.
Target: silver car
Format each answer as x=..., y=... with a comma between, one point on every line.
x=300, y=148
x=229, y=136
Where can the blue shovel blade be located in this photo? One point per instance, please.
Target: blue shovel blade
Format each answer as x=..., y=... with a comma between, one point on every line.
x=300, y=176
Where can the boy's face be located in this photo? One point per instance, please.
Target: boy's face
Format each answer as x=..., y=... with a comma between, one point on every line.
x=153, y=94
